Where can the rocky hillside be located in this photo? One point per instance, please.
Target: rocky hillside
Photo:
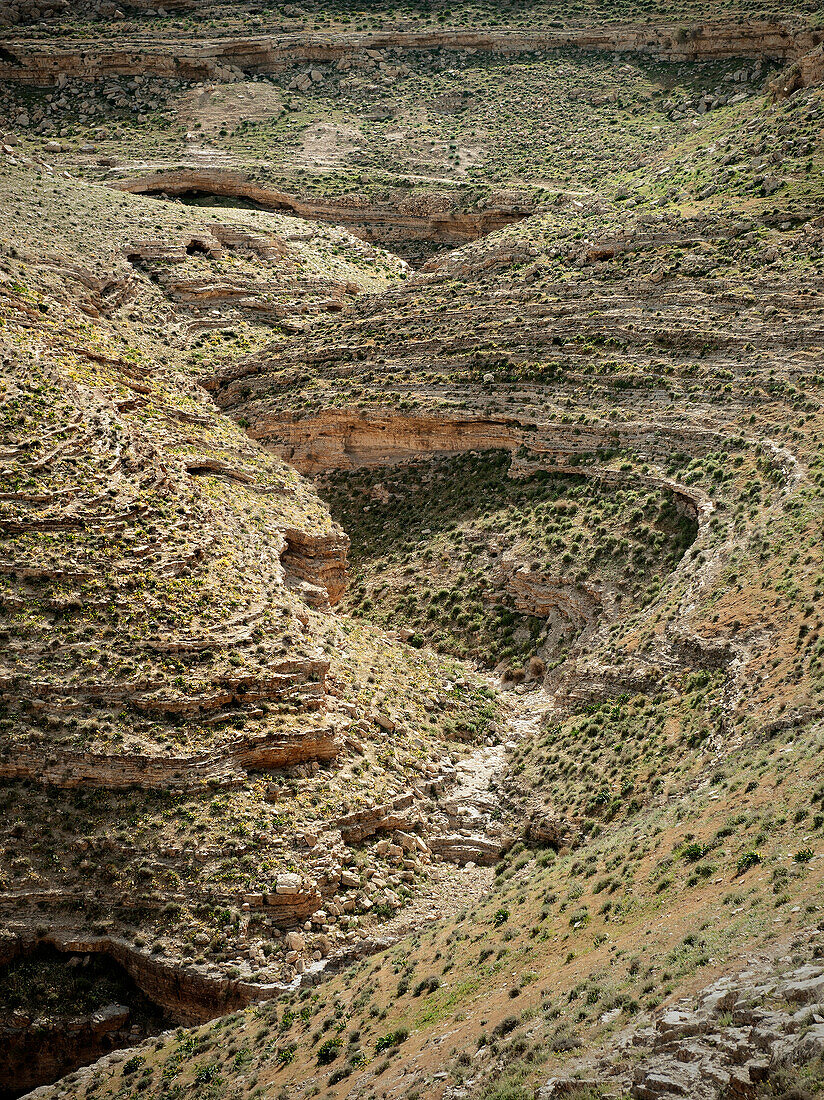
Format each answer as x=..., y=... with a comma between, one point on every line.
x=411, y=571
x=174, y=686
x=418, y=130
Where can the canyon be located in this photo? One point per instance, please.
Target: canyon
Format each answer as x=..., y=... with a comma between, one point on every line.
x=410, y=582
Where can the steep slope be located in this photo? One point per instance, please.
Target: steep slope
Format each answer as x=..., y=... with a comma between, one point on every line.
x=666, y=350
x=241, y=748
x=172, y=678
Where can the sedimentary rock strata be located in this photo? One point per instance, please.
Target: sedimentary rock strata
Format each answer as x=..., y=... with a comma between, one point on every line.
x=434, y=217
x=175, y=677
x=529, y=678
x=204, y=61
x=222, y=767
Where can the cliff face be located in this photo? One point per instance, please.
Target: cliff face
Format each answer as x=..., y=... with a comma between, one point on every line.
x=435, y=217
x=60, y=1010
x=317, y=564
x=30, y=63
x=33, y=1057
x=347, y=440
x=805, y=72
x=221, y=767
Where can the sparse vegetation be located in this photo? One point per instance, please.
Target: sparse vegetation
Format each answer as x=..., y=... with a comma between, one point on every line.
x=456, y=623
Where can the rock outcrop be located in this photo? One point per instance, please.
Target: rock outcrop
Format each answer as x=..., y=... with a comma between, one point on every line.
x=467, y=848
x=562, y=604
x=434, y=216
x=318, y=561
x=219, y=768
x=358, y=826
x=347, y=440
x=207, y=59
x=807, y=71
x=693, y=1052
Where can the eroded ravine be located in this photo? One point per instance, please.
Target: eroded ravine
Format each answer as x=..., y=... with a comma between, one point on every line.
x=423, y=851
x=457, y=820
x=469, y=814
x=414, y=226
x=465, y=827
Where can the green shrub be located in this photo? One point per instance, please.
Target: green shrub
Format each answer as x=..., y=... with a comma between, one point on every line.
x=328, y=1051
x=392, y=1039
x=749, y=859
x=693, y=852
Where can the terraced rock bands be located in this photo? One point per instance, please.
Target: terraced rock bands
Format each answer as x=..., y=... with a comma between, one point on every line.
x=411, y=641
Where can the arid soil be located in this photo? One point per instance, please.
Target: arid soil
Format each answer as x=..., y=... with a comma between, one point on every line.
x=410, y=504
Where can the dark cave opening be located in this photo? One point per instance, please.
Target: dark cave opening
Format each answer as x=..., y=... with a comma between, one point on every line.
x=62, y=1010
